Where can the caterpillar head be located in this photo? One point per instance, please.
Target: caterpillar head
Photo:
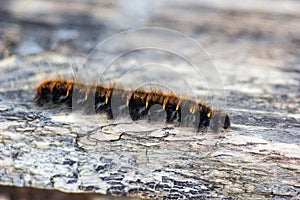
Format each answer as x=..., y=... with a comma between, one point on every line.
x=219, y=119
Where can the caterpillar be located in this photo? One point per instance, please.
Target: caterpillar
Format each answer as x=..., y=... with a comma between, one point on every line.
x=60, y=93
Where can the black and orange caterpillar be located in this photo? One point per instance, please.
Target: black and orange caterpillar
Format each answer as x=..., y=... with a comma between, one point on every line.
x=139, y=102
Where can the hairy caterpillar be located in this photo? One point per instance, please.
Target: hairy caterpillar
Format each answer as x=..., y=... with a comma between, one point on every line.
x=60, y=92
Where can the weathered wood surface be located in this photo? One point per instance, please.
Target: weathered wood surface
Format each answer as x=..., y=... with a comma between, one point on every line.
x=257, y=53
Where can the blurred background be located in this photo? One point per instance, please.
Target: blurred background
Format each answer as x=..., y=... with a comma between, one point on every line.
x=236, y=35
x=75, y=27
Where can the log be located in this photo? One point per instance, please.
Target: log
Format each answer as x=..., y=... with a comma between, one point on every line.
x=257, y=158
